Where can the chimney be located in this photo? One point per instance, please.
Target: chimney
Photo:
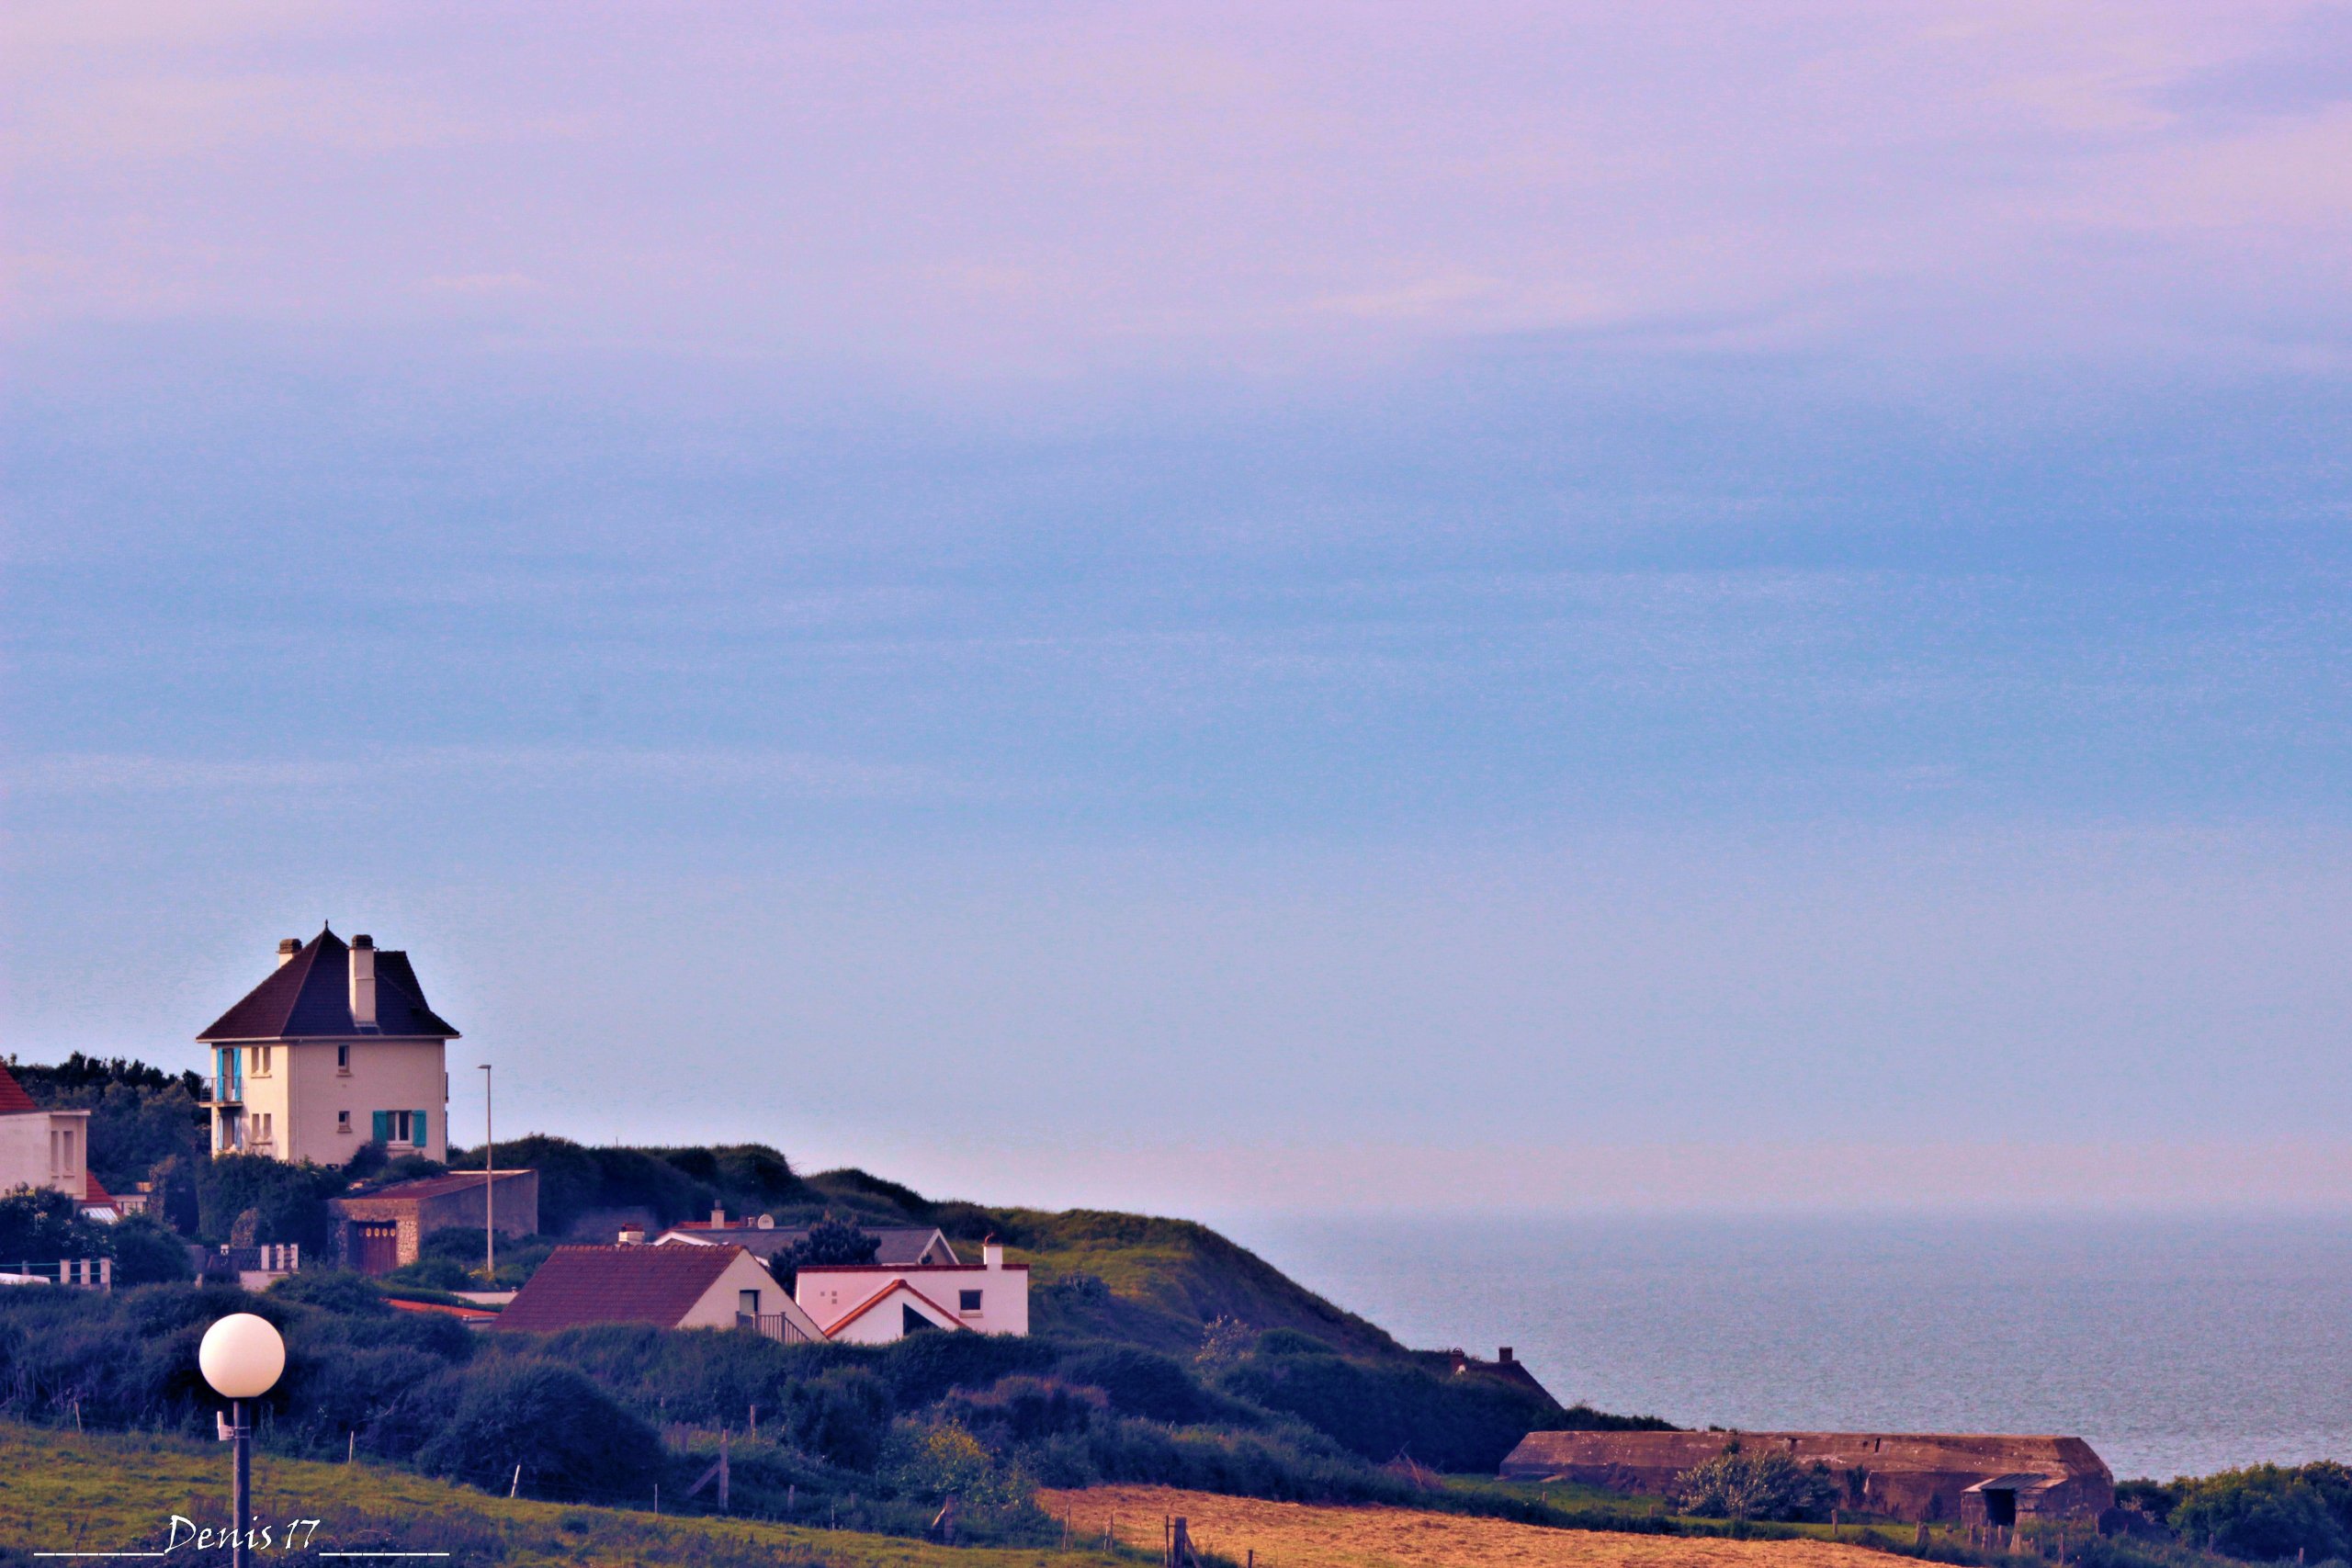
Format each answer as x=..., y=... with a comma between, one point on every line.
x=363, y=981
x=287, y=947
x=632, y=1235
x=718, y=1217
x=991, y=1255
x=1503, y=1355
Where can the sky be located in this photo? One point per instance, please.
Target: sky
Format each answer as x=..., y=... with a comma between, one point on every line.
x=1219, y=608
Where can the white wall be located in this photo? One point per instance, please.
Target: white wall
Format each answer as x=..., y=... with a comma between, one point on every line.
x=302, y=1091
x=827, y=1293
x=718, y=1305
x=26, y=1148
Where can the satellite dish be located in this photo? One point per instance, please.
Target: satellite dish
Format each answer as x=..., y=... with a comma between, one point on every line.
x=767, y=1222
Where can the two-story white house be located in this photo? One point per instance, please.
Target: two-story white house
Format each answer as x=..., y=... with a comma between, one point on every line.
x=42, y=1148
x=335, y=1048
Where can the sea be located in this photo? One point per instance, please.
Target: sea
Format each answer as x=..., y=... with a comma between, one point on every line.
x=2176, y=1347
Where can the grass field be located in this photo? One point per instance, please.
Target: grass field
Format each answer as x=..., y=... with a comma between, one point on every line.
x=1299, y=1535
x=60, y=1491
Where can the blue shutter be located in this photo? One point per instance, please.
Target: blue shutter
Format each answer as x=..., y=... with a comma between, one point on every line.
x=383, y=1126
x=416, y=1129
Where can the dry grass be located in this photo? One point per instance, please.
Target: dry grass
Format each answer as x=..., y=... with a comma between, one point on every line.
x=1300, y=1535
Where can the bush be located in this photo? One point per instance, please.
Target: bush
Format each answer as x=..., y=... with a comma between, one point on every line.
x=1142, y=1382
x=41, y=1225
x=146, y=1252
x=1380, y=1409
x=290, y=1199
x=1736, y=1484
x=841, y=1418
x=1024, y=1409
x=944, y=1461
x=2267, y=1512
x=570, y=1436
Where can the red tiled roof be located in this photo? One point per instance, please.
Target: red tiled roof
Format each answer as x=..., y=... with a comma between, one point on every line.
x=94, y=1192
x=309, y=996
x=13, y=1098
x=616, y=1284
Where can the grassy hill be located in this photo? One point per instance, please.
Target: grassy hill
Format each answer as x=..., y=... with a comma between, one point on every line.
x=62, y=1492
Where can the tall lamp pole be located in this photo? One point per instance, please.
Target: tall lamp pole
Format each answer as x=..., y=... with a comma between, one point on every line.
x=489, y=1187
x=241, y=1357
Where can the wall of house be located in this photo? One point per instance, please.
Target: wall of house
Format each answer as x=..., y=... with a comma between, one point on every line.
x=26, y=1151
x=827, y=1293
x=302, y=1091
x=718, y=1305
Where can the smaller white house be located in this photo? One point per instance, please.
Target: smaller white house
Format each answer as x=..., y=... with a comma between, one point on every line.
x=874, y=1303
x=42, y=1148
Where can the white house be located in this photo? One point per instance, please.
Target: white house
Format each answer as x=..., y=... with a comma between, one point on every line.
x=672, y=1286
x=872, y=1304
x=41, y=1148
x=335, y=1048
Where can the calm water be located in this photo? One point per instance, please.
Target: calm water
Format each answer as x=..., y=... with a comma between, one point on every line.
x=2175, y=1347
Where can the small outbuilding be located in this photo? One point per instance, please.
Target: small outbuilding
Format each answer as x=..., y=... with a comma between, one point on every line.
x=379, y=1231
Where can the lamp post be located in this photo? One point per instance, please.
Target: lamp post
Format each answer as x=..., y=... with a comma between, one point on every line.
x=242, y=1357
x=489, y=1188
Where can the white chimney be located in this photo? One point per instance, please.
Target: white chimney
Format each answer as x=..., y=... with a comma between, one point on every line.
x=991, y=1255
x=632, y=1235
x=286, y=948
x=718, y=1218
x=363, y=981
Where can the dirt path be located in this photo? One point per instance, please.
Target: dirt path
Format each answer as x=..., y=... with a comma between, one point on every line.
x=1300, y=1535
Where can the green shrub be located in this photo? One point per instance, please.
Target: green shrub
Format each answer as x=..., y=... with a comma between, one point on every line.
x=570, y=1436
x=42, y=1225
x=1378, y=1409
x=146, y=1252
x=941, y=1460
x=2267, y=1512
x=841, y=1416
x=290, y=1199
x=1736, y=1484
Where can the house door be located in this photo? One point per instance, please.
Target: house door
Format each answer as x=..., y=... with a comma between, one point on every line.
x=2000, y=1507
x=376, y=1247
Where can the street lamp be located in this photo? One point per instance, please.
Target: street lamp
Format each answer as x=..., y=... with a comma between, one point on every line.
x=242, y=1357
x=489, y=1188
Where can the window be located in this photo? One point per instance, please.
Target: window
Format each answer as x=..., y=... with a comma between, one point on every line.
x=968, y=1301
x=60, y=1152
x=748, y=1303
x=261, y=1061
x=343, y=1121
x=400, y=1127
x=342, y=1065
x=264, y=1127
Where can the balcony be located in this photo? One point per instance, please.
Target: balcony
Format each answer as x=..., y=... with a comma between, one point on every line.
x=772, y=1326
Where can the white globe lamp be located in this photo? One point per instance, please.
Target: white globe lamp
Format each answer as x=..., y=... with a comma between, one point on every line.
x=241, y=1358
x=242, y=1355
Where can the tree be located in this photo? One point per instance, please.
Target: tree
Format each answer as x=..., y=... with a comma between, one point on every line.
x=2265, y=1513
x=288, y=1201
x=146, y=1252
x=830, y=1243
x=41, y=1225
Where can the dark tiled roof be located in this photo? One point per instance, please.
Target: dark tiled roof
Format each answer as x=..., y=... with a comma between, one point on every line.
x=13, y=1098
x=898, y=1246
x=615, y=1284
x=436, y=1186
x=308, y=995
